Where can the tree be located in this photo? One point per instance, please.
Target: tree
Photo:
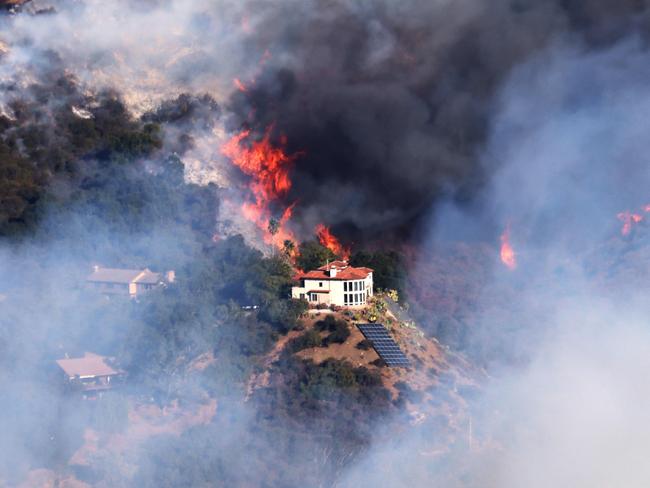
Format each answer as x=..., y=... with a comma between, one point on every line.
x=338, y=329
x=288, y=247
x=309, y=339
x=274, y=226
x=313, y=255
x=340, y=333
x=389, y=271
x=283, y=315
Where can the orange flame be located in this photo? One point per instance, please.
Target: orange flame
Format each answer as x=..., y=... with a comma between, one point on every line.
x=244, y=86
x=629, y=219
x=508, y=256
x=329, y=240
x=268, y=167
x=240, y=85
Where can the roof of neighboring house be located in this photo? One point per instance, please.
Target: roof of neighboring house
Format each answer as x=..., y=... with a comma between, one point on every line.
x=89, y=365
x=148, y=277
x=344, y=272
x=116, y=275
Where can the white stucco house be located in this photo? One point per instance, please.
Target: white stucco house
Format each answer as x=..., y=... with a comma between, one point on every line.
x=336, y=283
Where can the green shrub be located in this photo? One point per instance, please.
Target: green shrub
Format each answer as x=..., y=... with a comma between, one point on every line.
x=309, y=339
x=340, y=333
x=364, y=345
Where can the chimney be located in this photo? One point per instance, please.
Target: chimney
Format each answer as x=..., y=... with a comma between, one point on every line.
x=171, y=276
x=333, y=272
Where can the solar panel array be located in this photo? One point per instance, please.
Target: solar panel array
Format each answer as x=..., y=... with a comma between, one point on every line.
x=384, y=344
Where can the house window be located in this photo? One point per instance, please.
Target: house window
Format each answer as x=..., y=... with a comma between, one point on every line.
x=345, y=286
x=345, y=299
x=312, y=297
x=302, y=296
x=320, y=283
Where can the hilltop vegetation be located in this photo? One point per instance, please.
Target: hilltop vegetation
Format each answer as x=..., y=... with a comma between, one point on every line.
x=80, y=190
x=96, y=185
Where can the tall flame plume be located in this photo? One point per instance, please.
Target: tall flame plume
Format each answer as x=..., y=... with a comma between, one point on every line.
x=268, y=166
x=329, y=240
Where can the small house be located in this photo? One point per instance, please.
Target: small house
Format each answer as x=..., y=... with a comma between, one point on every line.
x=130, y=282
x=90, y=373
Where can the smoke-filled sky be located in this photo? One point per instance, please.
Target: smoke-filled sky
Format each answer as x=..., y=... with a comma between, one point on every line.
x=445, y=120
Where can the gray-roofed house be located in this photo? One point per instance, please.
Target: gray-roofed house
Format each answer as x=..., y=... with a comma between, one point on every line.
x=91, y=372
x=131, y=282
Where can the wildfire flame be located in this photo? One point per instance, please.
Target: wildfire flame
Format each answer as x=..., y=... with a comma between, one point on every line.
x=630, y=219
x=240, y=85
x=508, y=256
x=329, y=240
x=268, y=166
x=243, y=87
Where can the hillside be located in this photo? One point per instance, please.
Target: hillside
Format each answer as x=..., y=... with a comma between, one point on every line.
x=436, y=388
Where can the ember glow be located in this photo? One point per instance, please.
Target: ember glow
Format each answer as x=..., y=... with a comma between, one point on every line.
x=630, y=219
x=329, y=240
x=240, y=85
x=508, y=256
x=268, y=166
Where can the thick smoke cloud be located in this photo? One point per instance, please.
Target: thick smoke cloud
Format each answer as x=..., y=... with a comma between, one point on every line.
x=392, y=104
x=517, y=112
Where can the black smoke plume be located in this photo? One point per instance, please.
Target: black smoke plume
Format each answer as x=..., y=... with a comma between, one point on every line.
x=391, y=104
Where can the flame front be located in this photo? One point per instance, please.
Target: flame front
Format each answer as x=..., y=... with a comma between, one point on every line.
x=329, y=240
x=508, y=256
x=268, y=166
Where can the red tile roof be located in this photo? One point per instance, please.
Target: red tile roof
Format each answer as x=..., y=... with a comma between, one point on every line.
x=344, y=272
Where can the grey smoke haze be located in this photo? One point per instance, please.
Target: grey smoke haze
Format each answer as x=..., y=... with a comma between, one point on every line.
x=520, y=111
x=572, y=152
